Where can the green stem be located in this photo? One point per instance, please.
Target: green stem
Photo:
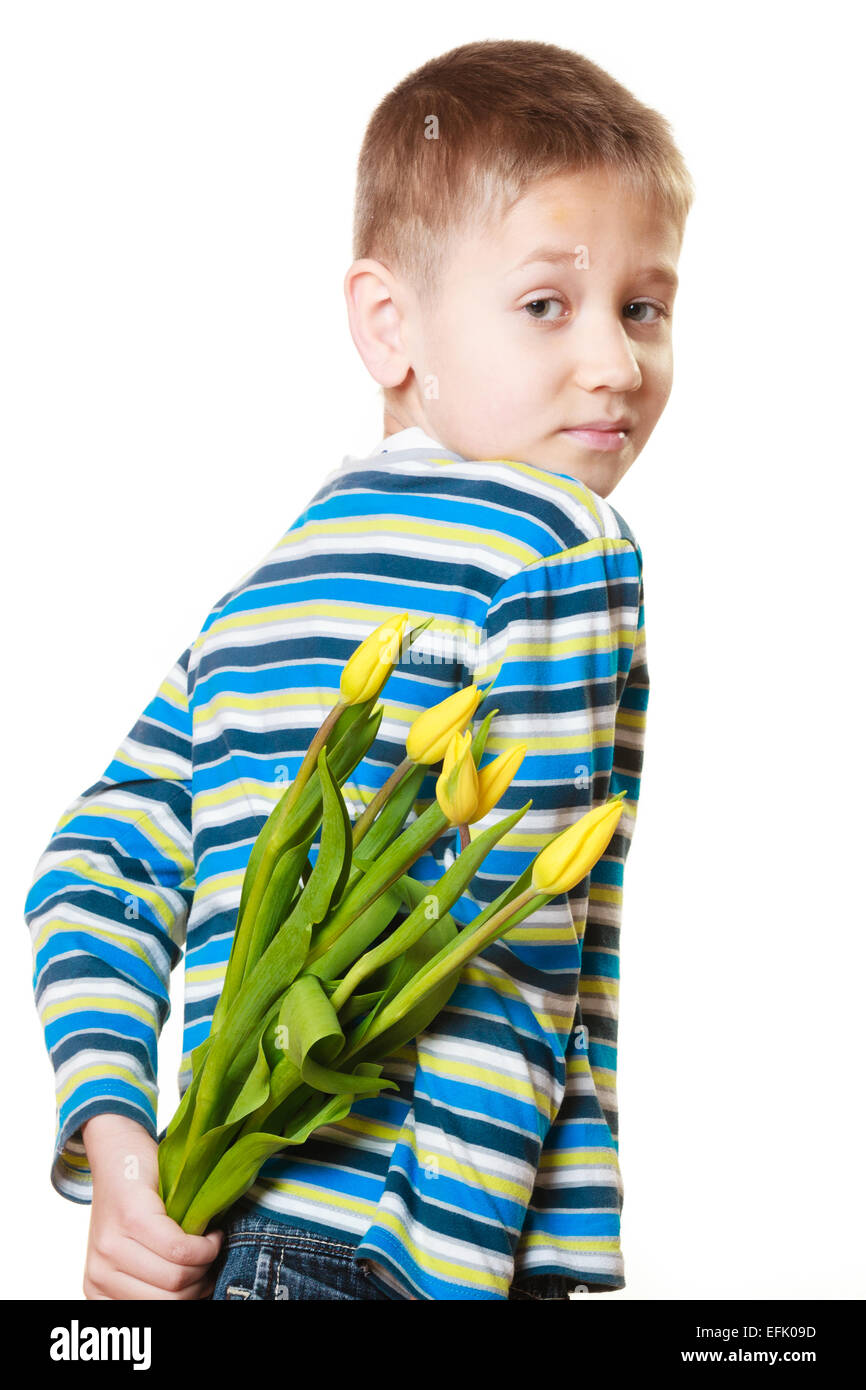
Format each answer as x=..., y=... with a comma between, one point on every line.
x=451, y=958
x=415, y=840
x=241, y=945
x=365, y=820
x=311, y=757
x=439, y=898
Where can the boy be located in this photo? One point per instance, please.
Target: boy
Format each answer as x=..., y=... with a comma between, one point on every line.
x=519, y=217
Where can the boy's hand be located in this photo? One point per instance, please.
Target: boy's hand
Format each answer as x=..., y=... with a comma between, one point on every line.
x=134, y=1250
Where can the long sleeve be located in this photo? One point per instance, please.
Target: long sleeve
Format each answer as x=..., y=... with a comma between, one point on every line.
x=492, y=1069
x=107, y=913
x=573, y=1221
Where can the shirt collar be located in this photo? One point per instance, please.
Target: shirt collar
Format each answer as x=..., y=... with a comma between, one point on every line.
x=412, y=438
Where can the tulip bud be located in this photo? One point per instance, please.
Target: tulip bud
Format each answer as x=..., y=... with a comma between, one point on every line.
x=457, y=745
x=457, y=784
x=372, y=662
x=431, y=732
x=495, y=779
x=568, y=858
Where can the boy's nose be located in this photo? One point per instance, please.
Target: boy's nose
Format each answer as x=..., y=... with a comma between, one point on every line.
x=604, y=357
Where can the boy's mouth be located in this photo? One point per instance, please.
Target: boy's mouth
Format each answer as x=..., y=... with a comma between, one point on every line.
x=606, y=435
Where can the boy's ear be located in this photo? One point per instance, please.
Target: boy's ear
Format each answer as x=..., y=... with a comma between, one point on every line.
x=375, y=321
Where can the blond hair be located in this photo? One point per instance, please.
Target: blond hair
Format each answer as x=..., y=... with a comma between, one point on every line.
x=463, y=136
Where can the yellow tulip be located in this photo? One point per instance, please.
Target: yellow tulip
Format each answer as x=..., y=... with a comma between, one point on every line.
x=563, y=863
x=431, y=732
x=457, y=745
x=372, y=662
x=495, y=779
x=457, y=783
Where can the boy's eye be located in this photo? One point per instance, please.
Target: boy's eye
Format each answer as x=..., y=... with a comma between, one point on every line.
x=537, y=308
x=642, y=304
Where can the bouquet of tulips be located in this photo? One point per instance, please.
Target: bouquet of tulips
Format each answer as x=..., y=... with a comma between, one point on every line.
x=323, y=984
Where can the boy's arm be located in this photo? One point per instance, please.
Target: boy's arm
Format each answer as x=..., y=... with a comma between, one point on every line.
x=564, y=1213
x=491, y=1069
x=107, y=914
x=599, y=976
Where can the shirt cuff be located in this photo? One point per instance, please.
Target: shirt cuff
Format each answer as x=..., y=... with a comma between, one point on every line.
x=70, y=1170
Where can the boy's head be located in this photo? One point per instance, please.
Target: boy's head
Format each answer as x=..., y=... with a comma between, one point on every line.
x=518, y=219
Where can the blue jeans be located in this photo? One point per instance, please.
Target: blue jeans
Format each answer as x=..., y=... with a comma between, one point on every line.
x=265, y=1259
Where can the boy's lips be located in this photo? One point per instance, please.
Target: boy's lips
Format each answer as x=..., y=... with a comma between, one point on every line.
x=607, y=435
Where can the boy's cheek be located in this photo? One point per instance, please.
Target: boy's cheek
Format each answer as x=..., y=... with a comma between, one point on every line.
x=480, y=414
x=484, y=396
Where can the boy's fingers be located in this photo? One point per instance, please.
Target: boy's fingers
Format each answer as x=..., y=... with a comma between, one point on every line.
x=112, y=1283
x=166, y=1238
x=134, y=1259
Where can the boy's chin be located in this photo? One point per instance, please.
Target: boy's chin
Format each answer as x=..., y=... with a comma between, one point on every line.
x=597, y=477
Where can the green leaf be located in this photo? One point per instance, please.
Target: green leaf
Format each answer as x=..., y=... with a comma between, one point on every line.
x=345, y=754
x=438, y=935
x=271, y=976
x=235, y=1171
x=448, y=962
x=239, y=1166
x=173, y=1144
x=171, y=1147
x=334, y=858
x=360, y=1004
x=389, y=821
x=416, y=631
x=204, y=1153
x=390, y=1040
x=314, y=1039
x=356, y=937
x=319, y=1110
x=389, y=866
x=275, y=904
x=254, y=1090
x=479, y=742
x=293, y=821
x=437, y=899
x=415, y=890
x=380, y=979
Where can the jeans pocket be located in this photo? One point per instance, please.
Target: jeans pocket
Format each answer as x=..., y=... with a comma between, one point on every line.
x=242, y=1272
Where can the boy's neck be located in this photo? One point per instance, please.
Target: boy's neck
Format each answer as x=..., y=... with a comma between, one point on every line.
x=392, y=425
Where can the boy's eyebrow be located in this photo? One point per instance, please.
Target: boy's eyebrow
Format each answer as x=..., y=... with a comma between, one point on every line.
x=661, y=271
x=555, y=255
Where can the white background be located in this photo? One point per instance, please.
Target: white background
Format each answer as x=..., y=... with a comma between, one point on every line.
x=177, y=376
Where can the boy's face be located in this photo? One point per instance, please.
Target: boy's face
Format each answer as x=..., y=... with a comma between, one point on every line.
x=557, y=319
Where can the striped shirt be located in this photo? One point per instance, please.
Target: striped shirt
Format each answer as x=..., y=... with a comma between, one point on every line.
x=496, y=1159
